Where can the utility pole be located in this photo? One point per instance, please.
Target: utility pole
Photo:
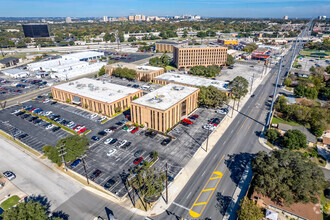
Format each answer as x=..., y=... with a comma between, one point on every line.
x=166, y=186
x=61, y=154
x=133, y=195
x=207, y=140
x=274, y=94
x=83, y=160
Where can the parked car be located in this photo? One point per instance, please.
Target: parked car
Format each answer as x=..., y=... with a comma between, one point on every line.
x=187, y=121
x=151, y=134
x=138, y=160
x=22, y=136
x=107, y=141
x=114, y=140
x=75, y=163
x=113, y=128
x=195, y=116
x=138, y=153
x=103, y=133
x=109, y=184
x=56, y=129
x=9, y=175
x=166, y=141
x=95, y=174
x=111, y=151
x=134, y=130
x=121, y=143
x=95, y=138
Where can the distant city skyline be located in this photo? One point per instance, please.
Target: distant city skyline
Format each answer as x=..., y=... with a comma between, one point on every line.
x=204, y=8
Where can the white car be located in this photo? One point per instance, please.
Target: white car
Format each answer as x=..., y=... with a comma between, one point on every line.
x=49, y=127
x=110, y=152
x=9, y=175
x=209, y=127
x=14, y=112
x=48, y=113
x=102, y=118
x=108, y=131
x=93, y=115
x=130, y=129
x=121, y=143
x=107, y=141
x=46, y=101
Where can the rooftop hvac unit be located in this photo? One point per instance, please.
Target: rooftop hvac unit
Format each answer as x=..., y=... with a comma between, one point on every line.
x=178, y=88
x=96, y=88
x=71, y=83
x=214, y=82
x=90, y=85
x=110, y=94
x=120, y=91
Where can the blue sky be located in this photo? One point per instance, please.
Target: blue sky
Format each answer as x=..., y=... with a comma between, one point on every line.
x=209, y=8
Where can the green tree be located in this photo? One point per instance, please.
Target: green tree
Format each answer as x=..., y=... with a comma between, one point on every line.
x=249, y=210
x=250, y=47
x=107, y=37
x=74, y=145
x=239, y=88
x=211, y=96
x=28, y=210
x=230, y=60
x=294, y=140
x=287, y=82
x=327, y=69
x=125, y=73
x=102, y=71
x=272, y=135
x=185, y=34
x=287, y=177
x=299, y=90
x=131, y=39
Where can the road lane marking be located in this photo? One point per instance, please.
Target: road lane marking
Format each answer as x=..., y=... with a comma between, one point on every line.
x=203, y=173
x=188, y=194
x=215, y=174
x=254, y=118
x=181, y=206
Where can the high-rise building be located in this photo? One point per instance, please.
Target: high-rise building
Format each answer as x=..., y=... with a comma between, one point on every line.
x=143, y=17
x=35, y=30
x=122, y=19
x=199, y=55
x=105, y=18
x=286, y=17
x=137, y=18
x=131, y=18
x=68, y=20
x=322, y=17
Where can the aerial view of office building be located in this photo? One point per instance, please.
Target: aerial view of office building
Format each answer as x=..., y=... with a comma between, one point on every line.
x=69, y=66
x=164, y=107
x=188, y=80
x=167, y=46
x=144, y=73
x=195, y=55
x=35, y=30
x=97, y=96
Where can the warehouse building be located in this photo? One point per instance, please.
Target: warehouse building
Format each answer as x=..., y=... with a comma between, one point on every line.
x=228, y=42
x=164, y=108
x=167, y=46
x=143, y=73
x=195, y=55
x=188, y=80
x=97, y=96
x=15, y=73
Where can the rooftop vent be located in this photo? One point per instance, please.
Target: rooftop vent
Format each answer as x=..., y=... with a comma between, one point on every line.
x=178, y=88
x=120, y=91
x=71, y=83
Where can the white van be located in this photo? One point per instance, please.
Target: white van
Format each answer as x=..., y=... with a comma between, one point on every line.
x=145, y=87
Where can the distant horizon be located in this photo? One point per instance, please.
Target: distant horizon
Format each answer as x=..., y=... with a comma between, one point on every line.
x=160, y=16
x=204, y=8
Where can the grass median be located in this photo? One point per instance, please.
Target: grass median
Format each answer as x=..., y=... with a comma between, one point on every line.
x=12, y=201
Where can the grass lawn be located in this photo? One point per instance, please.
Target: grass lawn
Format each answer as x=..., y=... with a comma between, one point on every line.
x=167, y=68
x=308, y=53
x=7, y=204
x=277, y=120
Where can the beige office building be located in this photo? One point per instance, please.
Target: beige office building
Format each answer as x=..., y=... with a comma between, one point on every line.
x=167, y=46
x=143, y=73
x=165, y=107
x=199, y=55
x=97, y=96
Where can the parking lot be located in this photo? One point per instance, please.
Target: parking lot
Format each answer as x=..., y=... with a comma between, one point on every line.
x=128, y=57
x=307, y=62
x=11, y=87
x=248, y=71
x=187, y=140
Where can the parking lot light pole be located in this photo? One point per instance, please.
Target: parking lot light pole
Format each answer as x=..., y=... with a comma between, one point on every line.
x=83, y=160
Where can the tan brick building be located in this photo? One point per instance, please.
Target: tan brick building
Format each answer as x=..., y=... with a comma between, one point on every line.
x=96, y=96
x=164, y=107
x=195, y=55
x=143, y=73
x=167, y=46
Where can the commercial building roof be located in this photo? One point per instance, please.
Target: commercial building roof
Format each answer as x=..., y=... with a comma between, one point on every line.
x=193, y=80
x=170, y=42
x=138, y=68
x=14, y=71
x=183, y=46
x=166, y=96
x=83, y=55
x=8, y=59
x=98, y=90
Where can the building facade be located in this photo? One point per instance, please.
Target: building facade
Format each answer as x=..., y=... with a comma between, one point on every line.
x=143, y=73
x=165, y=107
x=35, y=30
x=167, y=46
x=189, y=56
x=96, y=96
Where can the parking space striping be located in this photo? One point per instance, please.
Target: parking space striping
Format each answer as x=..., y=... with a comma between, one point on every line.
x=216, y=175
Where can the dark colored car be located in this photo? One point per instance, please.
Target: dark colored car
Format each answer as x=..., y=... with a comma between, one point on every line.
x=46, y=125
x=185, y=123
x=195, y=116
x=138, y=153
x=166, y=141
x=19, y=113
x=33, y=118
x=138, y=160
x=75, y=163
x=119, y=123
x=109, y=184
x=37, y=121
x=95, y=138
x=53, y=103
x=113, y=128
x=25, y=116
x=56, y=129
x=151, y=134
x=22, y=136
x=95, y=174
x=113, y=141
x=102, y=133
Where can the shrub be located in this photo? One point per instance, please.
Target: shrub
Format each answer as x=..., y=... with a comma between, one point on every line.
x=47, y=148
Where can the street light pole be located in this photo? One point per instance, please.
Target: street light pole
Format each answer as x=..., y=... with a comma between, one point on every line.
x=166, y=186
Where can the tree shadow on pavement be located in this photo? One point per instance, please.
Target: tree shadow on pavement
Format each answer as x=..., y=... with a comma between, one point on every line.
x=236, y=165
x=61, y=215
x=222, y=203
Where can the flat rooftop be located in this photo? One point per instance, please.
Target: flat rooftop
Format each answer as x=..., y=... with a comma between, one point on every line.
x=165, y=97
x=193, y=80
x=182, y=46
x=170, y=42
x=97, y=89
x=139, y=68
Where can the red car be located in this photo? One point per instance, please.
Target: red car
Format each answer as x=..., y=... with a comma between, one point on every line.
x=137, y=160
x=195, y=116
x=82, y=130
x=32, y=109
x=187, y=121
x=135, y=130
x=128, y=117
